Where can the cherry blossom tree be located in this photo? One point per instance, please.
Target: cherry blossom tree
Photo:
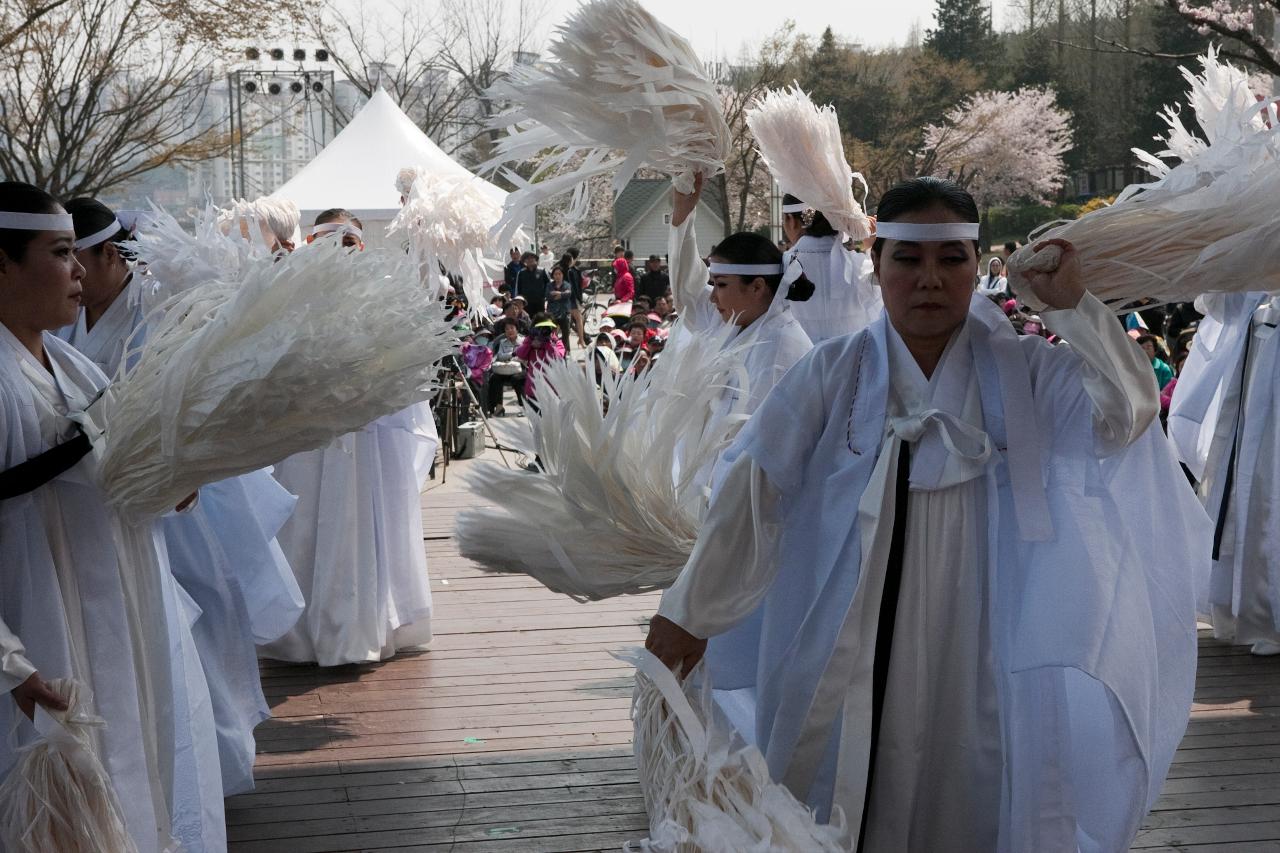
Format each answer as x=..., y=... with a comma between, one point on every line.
x=1002, y=147
x=1237, y=20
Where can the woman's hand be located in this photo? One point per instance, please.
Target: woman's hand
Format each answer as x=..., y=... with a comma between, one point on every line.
x=36, y=691
x=1059, y=285
x=684, y=204
x=673, y=645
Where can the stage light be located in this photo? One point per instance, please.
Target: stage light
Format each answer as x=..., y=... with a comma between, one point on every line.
x=251, y=54
x=250, y=86
x=317, y=87
x=295, y=87
x=299, y=55
x=322, y=55
x=274, y=89
x=277, y=53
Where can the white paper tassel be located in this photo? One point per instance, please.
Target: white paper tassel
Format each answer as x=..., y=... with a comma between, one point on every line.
x=1210, y=222
x=237, y=376
x=620, y=91
x=448, y=222
x=609, y=515
x=706, y=790
x=801, y=145
x=59, y=797
x=176, y=261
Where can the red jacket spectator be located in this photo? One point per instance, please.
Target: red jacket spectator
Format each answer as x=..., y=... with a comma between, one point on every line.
x=624, y=283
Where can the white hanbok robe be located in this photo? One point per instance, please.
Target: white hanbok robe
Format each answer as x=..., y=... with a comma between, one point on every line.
x=1042, y=659
x=772, y=343
x=224, y=554
x=86, y=594
x=1225, y=421
x=355, y=542
x=846, y=298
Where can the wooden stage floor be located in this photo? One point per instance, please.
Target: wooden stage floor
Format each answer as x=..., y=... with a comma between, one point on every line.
x=511, y=735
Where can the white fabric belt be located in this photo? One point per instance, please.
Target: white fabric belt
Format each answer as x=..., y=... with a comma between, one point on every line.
x=745, y=269
x=99, y=236
x=930, y=232
x=16, y=221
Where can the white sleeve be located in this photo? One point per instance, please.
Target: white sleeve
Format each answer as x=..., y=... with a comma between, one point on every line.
x=1116, y=373
x=734, y=560
x=14, y=666
x=689, y=278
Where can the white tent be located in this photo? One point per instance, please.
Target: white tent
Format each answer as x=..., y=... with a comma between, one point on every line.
x=357, y=170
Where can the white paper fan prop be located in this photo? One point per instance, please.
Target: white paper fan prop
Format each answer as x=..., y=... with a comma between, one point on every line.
x=58, y=796
x=620, y=91
x=611, y=515
x=448, y=220
x=1210, y=222
x=706, y=790
x=176, y=260
x=235, y=376
x=800, y=143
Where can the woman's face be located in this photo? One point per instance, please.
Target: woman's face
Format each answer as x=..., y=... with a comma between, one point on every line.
x=734, y=296
x=104, y=272
x=557, y=276
x=926, y=286
x=42, y=292
x=792, y=227
x=996, y=266
x=1150, y=349
x=510, y=331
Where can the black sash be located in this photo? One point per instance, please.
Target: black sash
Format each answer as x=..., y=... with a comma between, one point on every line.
x=26, y=477
x=888, y=615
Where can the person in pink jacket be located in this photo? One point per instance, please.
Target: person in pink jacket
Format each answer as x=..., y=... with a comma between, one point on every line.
x=541, y=345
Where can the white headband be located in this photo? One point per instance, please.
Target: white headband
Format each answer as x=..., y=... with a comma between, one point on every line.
x=99, y=236
x=331, y=227
x=16, y=221
x=745, y=269
x=798, y=207
x=932, y=232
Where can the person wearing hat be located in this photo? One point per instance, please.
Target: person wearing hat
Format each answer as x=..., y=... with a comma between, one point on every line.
x=533, y=283
x=542, y=345
x=515, y=310
x=505, y=367
x=655, y=283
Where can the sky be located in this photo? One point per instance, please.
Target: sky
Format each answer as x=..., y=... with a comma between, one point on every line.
x=718, y=28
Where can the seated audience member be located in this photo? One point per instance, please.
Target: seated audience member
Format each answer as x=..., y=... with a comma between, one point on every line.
x=543, y=344
x=1163, y=372
x=506, y=367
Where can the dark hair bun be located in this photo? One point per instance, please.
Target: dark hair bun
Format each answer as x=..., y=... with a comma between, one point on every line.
x=802, y=290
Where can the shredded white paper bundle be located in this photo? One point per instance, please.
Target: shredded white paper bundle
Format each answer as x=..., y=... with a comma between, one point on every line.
x=610, y=515
x=1210, y=222
x=801, y=145
x=176, y=260
x=706, y=790
x=59, y=797
x=620, y=91
x=237, y=376
x=448, y=220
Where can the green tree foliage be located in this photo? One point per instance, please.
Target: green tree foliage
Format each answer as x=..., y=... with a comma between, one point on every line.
x=964, y=33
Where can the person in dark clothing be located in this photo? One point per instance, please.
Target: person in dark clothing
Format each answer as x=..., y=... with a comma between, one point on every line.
x=512, y=270
x=532, y=283
x=654, y=283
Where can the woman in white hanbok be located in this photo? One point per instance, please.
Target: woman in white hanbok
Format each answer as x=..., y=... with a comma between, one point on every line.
x=846, y=298
x=1225, y=421
x=222, y=548
x=927, y=572
x=86, y=593
x=355, y=540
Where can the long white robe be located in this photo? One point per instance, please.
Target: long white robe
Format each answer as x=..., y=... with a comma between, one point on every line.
x=355, y=542
x=1225, y=422
x=225, y=557
x=1042, y=661
x=846, y=298
x=88, y=595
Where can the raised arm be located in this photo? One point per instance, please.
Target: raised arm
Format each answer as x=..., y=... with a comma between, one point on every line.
x=688, y=273
x=1116, y=374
